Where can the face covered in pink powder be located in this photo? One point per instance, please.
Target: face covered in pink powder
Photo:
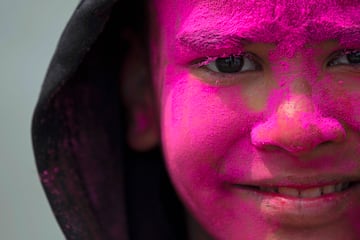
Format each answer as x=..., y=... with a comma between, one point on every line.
x=260, y=114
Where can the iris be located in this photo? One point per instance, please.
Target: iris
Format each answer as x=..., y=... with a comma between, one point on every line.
x=230, y=64
x=354, y=57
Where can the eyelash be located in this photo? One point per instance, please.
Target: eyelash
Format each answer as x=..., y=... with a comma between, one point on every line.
x=245, y=63
x=340, y=58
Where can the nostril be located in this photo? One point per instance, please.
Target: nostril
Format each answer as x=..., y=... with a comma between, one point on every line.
x=270, y=148
x=325, y=143
x=267, y=146
x=297, y=137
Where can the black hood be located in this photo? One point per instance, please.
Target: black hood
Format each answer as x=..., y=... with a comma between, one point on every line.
x=97, y=186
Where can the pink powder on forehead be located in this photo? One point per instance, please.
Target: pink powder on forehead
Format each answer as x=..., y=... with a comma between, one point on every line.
x=207, y=131
x=291, y=25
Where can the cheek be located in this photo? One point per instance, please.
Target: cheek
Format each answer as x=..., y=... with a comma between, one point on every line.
x=200, y=124
x=338, y=96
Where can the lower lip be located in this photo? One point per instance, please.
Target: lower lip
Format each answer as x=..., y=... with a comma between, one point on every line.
x=304, y=211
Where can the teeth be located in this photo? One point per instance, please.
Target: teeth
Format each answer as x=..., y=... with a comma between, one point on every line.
x=289, y=191
x=310, y=193
x=307, y=193
x=345, y=186
x=269, y=189
x=338, y=187
x=328, y=189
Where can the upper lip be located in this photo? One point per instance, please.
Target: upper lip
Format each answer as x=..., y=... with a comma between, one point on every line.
x=301, y=182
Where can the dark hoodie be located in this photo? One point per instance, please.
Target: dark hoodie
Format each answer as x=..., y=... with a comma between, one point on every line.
x=97, y=186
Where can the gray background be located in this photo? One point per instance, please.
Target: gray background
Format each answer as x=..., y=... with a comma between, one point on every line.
x=29, y=30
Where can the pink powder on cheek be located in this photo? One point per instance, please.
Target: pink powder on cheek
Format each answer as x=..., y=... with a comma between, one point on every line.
x=340, y=99
x=205, y=115
x=195, y=138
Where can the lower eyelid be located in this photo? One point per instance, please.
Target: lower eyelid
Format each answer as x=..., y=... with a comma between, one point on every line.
x=223, y=80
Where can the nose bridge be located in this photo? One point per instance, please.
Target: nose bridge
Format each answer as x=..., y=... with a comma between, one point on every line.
x=294, y=98
x=296, y=108
x=295, y=124
x=294, y=75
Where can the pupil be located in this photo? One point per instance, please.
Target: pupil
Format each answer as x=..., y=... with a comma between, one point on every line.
x=230, y=64
x=354, y=57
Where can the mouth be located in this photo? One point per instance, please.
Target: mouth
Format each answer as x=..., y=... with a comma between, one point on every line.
x=302, y=191
x=302, y=203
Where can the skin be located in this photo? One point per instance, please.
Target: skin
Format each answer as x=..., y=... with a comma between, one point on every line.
x=292, y=120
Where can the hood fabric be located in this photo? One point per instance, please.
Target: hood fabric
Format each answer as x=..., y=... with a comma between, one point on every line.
x=98, y=188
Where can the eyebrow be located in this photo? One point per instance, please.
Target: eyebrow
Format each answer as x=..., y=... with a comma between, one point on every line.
x=208, y=39
x=201, y=40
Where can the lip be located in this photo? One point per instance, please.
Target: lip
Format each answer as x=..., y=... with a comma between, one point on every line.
x=302, y=212
x=301, y=181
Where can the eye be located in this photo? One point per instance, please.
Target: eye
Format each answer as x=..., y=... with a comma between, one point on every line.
x=345, y=57
x=232, y=64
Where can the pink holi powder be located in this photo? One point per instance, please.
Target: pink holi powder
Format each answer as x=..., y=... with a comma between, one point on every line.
x=213, y=135
x=289, y=24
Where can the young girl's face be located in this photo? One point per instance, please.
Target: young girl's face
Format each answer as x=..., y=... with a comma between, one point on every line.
x=260, y=114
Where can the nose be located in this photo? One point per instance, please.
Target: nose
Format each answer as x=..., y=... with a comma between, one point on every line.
x=296, y=127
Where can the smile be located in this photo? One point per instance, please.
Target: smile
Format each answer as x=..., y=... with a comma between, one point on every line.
x=306, y=204
x=313, y=192
x=307, y=191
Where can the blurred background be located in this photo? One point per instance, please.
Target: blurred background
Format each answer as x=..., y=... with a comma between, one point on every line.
x=29, y=31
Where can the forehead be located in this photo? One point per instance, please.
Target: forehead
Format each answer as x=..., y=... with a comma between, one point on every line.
x=265, y=21
x=291, y=12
